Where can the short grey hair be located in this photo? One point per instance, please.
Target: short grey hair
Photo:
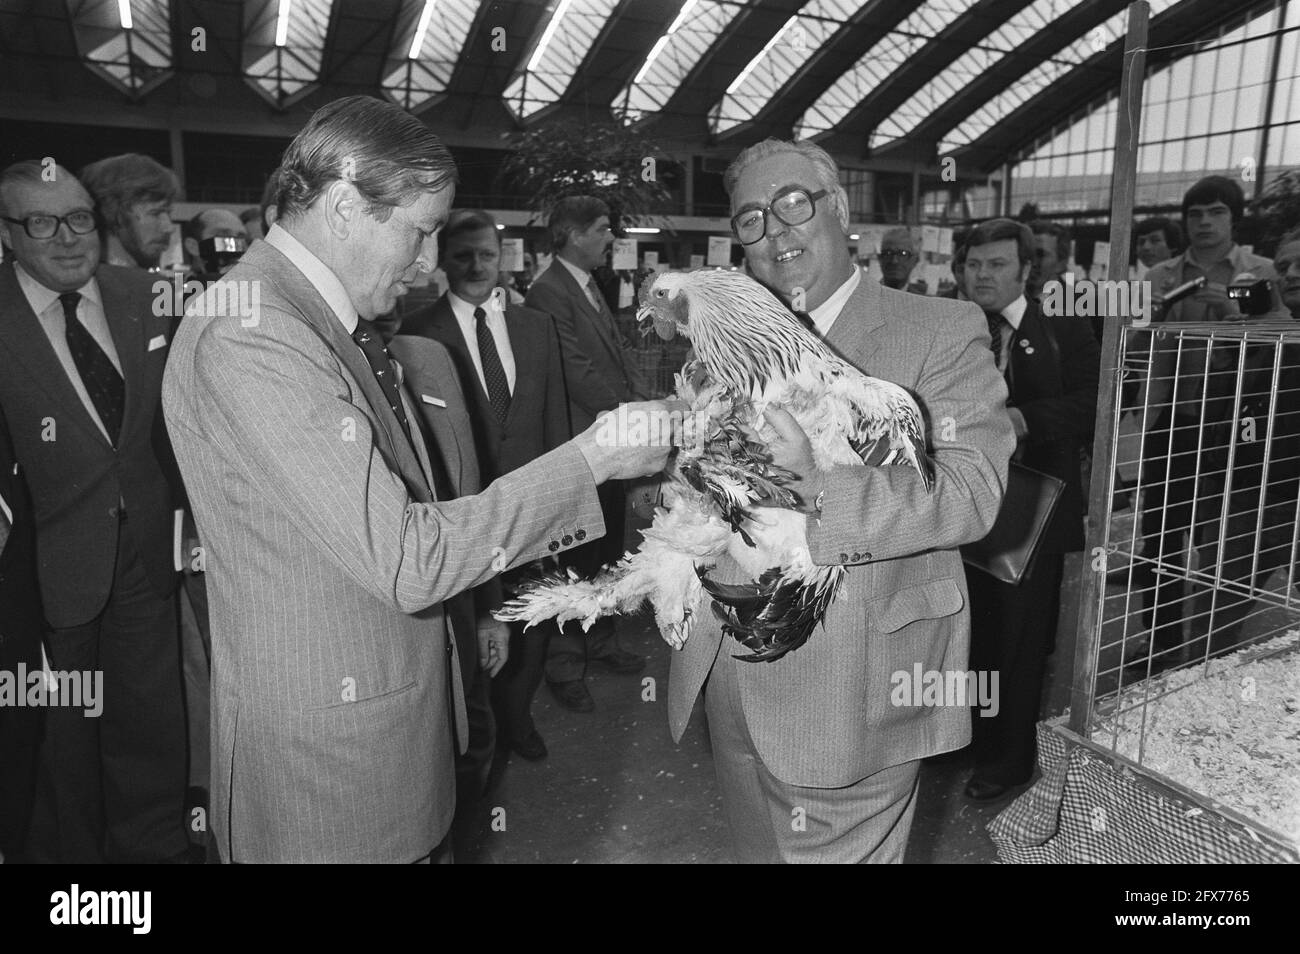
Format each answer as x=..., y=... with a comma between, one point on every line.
x=30, y=171
x=828, y=172
x=385, y=152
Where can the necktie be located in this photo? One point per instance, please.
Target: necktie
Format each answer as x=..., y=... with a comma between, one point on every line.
x=996, y=321
x=372, y=346
x=494, y=372
x=105, y=386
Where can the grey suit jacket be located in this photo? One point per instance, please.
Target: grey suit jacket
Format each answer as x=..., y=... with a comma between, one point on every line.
x=77, y=479
x=333, y=674
x=600, y=370
x=822, y=716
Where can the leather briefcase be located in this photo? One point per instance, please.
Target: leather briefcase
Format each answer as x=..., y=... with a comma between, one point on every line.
x=1008, y=551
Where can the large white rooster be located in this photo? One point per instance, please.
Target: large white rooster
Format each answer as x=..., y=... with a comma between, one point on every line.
x=749, y=352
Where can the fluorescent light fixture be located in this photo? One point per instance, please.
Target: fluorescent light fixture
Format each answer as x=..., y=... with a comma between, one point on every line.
x=641, y=231
x=538, y=53
x=124, y=13
x=739, y=81
x=417, y=41
x=663, y=40
x=282, y=23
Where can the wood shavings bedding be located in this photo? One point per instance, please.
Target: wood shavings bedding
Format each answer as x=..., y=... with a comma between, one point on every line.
x=1229, y=730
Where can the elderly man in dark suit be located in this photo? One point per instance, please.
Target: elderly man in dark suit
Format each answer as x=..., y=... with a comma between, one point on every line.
x=333, y=540
x=507, y=358
x=1051, y=368
x=599, y=371
x=817, y=754
x=82, y=352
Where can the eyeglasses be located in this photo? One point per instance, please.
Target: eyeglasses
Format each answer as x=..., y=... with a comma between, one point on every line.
x=791, y=207
x=895, y=253
x=79, y=222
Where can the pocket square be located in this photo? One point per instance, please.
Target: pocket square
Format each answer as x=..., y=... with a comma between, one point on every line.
x=436, y=402
x=157, y=341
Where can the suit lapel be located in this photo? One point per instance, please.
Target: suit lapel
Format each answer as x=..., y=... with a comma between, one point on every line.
x=128, y=338
x=526, y=345
x=321, y=317
x=855, y=335
x=21, y=333
x=599, y=320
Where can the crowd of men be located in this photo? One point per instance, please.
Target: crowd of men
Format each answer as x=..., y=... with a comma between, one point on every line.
x=281, y=539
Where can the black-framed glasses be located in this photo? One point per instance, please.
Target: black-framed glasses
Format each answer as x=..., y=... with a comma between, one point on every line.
x=79, y=222
x=791, y=207
x=903, y=253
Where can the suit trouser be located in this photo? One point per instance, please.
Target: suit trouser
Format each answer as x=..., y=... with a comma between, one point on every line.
x=196, y=665
x=474, y=765
x=1013, y=629
x=515, y=685
x=20, y=728
x=112, y=787
x=772, y=821
x=570, y=648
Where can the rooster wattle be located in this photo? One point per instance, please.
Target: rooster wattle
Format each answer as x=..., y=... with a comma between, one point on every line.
x=722, y=494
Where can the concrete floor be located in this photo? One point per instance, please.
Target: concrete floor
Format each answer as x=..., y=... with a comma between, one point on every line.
x=616, y=789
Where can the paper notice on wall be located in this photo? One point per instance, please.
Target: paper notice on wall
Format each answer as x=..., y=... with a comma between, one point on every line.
x=719, y=250
x=945, y=242
x=624, y=254
x=651, y=259
x=930, y=238
x=512, y=255
x=1101, y=260
x=697, y=261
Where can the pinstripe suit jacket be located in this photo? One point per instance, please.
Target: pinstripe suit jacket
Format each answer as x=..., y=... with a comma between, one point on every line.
x=333, y=670
x=822, y=716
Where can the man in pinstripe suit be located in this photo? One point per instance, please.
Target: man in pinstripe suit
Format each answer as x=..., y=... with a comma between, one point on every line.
x=331, y=539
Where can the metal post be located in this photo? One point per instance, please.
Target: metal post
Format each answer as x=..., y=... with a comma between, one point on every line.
x=1123, y=182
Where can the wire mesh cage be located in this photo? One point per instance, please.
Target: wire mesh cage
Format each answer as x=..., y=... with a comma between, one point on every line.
x=1193, y=671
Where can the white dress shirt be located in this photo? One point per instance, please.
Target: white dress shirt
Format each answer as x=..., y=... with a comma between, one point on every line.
x=90, y=311
x=496, y=322
x=824, y=315
x=1014, y=314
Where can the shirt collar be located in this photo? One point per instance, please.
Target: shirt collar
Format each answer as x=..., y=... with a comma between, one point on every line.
x=824, y=315
x=464, y=311
x=41, y=297
x=1014, y=313
x=581, y=276
x=318, y=273
x=1235, y=259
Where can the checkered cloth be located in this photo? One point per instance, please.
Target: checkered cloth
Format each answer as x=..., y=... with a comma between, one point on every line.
x=1085, y=810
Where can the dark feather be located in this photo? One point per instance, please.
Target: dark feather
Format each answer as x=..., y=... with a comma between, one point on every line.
x=768, y=616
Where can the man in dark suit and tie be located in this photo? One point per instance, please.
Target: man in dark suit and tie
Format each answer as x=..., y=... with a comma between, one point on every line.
x=82, y=353
x=600, y=372
x=20, y=646
x=332, y=538
x=507, y=358
x=1051, y=368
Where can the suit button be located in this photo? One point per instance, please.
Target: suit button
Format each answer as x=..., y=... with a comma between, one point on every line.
x=566, y=539
x=553, y=546
x=844, y=558
x=857, y=557
x=580, y=534
x=450, y=648
x=112, y=512
x=866, y=556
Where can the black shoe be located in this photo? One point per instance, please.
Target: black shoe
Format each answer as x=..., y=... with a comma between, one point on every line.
x=530, y=746
x=573, y=695
x=625, y=664
x=981, y=791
